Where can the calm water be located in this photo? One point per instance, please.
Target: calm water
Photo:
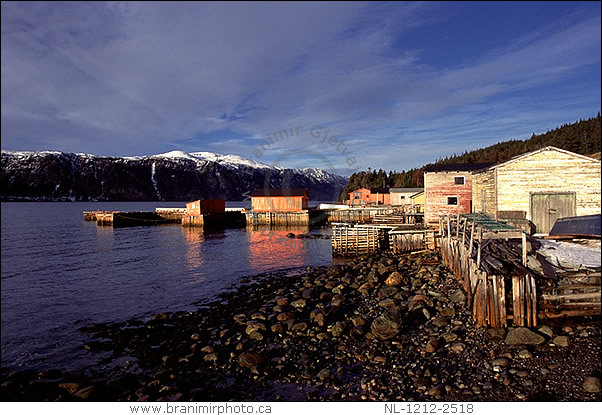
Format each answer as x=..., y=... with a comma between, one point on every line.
x=60, y=273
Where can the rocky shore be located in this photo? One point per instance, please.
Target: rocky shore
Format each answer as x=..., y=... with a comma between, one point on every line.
x=376, y=328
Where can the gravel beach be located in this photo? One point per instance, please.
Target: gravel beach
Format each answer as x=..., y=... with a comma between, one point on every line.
x=384, y=327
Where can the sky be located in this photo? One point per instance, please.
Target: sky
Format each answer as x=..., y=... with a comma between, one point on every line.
x=342, y=86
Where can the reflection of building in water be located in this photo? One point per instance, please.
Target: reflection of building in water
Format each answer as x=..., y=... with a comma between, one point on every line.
x=193, y=254
x=269, y=247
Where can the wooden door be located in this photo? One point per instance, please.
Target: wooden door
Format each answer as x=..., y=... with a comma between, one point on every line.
x=547, y=207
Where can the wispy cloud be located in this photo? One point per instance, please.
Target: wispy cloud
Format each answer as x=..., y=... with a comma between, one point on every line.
x=140, y=78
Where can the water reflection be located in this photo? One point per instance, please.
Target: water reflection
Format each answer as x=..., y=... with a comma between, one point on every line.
x=272, y=246
x=193, y=254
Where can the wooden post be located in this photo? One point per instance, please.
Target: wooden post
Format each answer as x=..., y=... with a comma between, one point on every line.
x=524, y=247
x=458, y=225
x=471, y=239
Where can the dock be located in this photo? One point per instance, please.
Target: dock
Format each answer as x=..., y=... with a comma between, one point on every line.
x=165, y=216
x=505, y=278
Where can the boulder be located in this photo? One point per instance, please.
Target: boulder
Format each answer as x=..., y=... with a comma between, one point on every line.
x=523, y=335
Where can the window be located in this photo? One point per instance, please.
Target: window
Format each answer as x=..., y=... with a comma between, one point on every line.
x=452, y=200
x=459, y=180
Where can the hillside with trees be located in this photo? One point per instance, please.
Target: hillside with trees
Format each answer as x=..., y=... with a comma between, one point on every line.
x=582, y=137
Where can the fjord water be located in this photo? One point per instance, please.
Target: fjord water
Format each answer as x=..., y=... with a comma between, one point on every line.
x=59, y=273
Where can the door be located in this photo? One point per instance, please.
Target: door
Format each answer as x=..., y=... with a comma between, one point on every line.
x=547, y=207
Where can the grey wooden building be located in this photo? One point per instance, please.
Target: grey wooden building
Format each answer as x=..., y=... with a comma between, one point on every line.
x=540, y=186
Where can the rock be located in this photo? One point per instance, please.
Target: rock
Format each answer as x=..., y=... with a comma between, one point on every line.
x=249, y=360
x=417, y=316
x=386, y=303
x=523, y=335
x=212, y=357
x=299, y=327
x=439, y=322
x=458, y=347
x=450, y=337
x=323, y=374
x=300, y=303
x=255, y=335
x=254, y=325
x=337, y=300
x=545, y=330
x=285, y=316
x=449, y=311
x=207, y=349
x=70, y=387
x=501, y=361
x=380, y=359
x=436, y=390
x=258, y=316
x=383, y=328
x=386, y=292
x=591, y=384
x=317, y=318
x=169, y=361
x=195, y=337
x=458, y=297
x=337, y=329
x=496, y=333
x=366, y=287
x=358, y=321
x=525, y=354
x=85, y=393
x=277, y=328
x=282, y=301
x=432, y=345
x=562, y=341
x=422, y=382
x=307, y=293
x=394, y=279
x=323, y=336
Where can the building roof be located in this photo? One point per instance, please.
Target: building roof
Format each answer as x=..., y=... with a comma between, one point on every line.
x=541, y=150
x=457, y=167
x=380, y=190
x=406, y=189
x=279, y=192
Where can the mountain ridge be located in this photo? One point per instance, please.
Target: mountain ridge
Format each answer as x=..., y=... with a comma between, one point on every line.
x=171, y=176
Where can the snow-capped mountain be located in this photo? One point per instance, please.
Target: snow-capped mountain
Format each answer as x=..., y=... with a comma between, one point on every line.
x=173, y=176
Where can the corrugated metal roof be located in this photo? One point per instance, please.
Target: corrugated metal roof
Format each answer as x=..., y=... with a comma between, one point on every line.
x=577, y=226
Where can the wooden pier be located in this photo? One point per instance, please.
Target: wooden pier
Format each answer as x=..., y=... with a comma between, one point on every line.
x=506, y=279
x=278, y=218
x=398, y=215
x=165, y=216
x=120, y=219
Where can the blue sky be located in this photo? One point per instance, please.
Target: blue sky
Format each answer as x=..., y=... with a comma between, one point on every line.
x=397, y=85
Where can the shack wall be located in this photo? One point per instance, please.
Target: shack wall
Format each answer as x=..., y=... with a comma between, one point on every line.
x=483, y=193
x=278, y=203
x=549, y=171
x=438, y=187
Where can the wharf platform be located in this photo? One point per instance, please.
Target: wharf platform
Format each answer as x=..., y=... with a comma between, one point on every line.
x=165, y=216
